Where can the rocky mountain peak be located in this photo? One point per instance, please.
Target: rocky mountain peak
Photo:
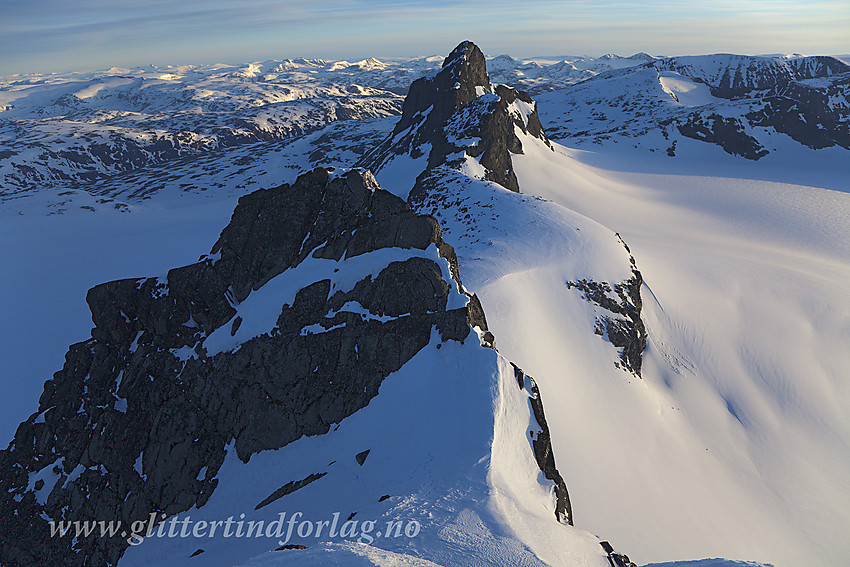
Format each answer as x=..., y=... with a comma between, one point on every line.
x=817, y=66
x=732, y=76
x=457, y=114
x=467, y=66
x=313, y=295
x=462, y=78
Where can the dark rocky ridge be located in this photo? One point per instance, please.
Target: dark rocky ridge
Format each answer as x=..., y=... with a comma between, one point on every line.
x=124, y=398
x=806, y=113
x=128, y=426
x=129, y=423
x=744, y=74
x=543, y=452
x=805, y=98
x=442, y=112
x=459, y=103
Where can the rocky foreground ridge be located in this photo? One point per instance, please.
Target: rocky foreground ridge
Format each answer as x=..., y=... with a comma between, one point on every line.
x=182, y=366
x=151, y=401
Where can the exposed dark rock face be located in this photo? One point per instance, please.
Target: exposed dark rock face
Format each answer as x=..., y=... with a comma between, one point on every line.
x=616, y=559
x=446, y=92
x=728, y=133
x=623, y=327
x=291, y=546
x=289, y=488
x=805, y=98
x=361, y=457
x=543, y=452
x=138, y=419
x=811, y=115
x=739, y=75
x=457, y=113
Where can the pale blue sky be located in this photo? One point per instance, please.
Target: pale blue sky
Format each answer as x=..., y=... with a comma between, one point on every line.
x=61, y=35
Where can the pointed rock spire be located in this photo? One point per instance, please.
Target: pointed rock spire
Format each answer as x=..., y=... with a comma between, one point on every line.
x=455, y=85
x=457, y=111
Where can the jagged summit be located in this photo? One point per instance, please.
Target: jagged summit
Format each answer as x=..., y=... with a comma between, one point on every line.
x=465, y=52
x=456, y=114
x=466, y=64
x=460, y=80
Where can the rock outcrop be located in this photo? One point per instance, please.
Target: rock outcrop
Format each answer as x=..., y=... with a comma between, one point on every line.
x=138, y=419
x=736, y=76
x=815, y=115
x=621, y=325
x=803, y=97
x=543, y=452
x=728, y=133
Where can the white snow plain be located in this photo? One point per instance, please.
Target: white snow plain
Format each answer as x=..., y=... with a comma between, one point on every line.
x=735, y=443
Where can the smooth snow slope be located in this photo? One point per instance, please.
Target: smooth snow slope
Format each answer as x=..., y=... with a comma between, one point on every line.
x=659, y=483
x=735, y=443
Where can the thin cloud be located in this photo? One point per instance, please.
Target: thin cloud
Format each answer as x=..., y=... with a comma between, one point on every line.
x=89, y=33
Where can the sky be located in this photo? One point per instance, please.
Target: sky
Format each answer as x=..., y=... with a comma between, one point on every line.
x=40, y=36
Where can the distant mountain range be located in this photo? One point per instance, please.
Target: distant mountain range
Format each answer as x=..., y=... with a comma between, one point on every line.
x=749, y=106
x=83, y=127
x=68, y=131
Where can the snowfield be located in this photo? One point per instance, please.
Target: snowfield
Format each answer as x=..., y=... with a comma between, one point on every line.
x=479, y=500
x=739, y=424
